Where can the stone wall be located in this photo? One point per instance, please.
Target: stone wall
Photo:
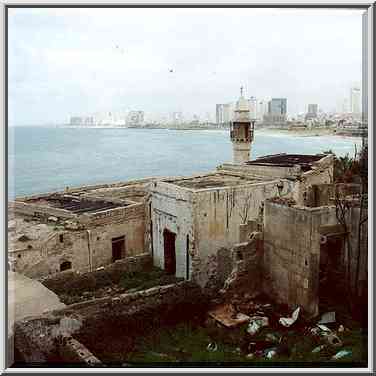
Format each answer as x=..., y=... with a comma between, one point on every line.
x=218, y=214
x=42, y=339
x=292, y=253
x=246, y=275
x=88, y=247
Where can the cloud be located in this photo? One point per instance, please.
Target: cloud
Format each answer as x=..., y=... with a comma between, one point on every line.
x=72, y=61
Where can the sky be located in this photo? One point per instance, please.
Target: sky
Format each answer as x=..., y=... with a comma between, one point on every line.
x=68, y=62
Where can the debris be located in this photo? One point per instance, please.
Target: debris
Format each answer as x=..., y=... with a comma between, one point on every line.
x=250, y=356
x=328, y=318
x=324, y=328
x=271, y=337
x=227, y=316
x=288, y=321
x=341, y=354
x=341, y=328
x=333, y=340
x=53, y=219
x=212, y=347
x=318, y=349
x=256, y=323
x=271, y=353
x=315, y=331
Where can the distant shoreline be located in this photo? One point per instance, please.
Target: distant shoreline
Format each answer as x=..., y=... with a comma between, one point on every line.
x=316, y=132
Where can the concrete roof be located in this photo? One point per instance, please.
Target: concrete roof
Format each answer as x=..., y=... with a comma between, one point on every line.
x=216, y=180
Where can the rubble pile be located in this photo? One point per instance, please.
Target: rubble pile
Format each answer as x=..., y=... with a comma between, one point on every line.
x=270, y=331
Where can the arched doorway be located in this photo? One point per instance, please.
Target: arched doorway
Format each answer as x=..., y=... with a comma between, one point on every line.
x=66, y=265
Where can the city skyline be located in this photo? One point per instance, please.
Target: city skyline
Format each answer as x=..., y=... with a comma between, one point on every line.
x=75, y=61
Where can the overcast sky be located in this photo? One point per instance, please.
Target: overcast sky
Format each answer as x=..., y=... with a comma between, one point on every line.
x=65, y=62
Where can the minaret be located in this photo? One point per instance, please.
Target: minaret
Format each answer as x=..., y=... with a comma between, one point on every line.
x=241, y=132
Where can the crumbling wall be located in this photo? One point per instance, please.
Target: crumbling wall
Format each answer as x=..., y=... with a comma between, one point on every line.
x=292, y=253
x=171, y=209
x=219, y=214
x=246, y=274
x=43, y=339
x=320, y=173
x=86, y=244
x=359, y=250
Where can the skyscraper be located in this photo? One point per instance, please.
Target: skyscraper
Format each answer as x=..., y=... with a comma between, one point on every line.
x=277, y=112
x=312, y=111
x=355, y=100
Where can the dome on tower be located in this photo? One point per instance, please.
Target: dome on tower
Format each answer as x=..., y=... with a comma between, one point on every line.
x=242, y=108
x=242, y=104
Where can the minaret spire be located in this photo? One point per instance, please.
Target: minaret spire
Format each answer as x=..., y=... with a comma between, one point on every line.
x=242, y=128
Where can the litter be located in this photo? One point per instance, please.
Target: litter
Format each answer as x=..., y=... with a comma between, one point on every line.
x=212, y=347
x=341, y=354
x=288, y=321
x=333, y=340
x=328, y=318
x=270, y=353
x=318, y=349
x=256, y=323
x=227, y=316
x=324, y=328
x=271, y=337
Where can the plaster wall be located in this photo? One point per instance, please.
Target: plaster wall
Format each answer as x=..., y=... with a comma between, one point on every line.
x=172, y=209
x=292, y=253
x=218, y=214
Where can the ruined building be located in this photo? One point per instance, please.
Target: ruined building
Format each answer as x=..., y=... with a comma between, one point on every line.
x=268, y=225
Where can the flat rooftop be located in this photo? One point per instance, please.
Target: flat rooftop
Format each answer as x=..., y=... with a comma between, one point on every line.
x=74, y=204
x=305, y=161
x=213, y=181
x=129, y=193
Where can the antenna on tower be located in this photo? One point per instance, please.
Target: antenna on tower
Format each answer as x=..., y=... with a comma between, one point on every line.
x=241, y=90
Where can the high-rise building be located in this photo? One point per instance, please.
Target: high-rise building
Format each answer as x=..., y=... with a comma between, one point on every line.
x=224, y=113
x=277, y=112
x=312, y=111
x=135, y=117
x=262, y=109
x=355, y=100
x=253, y=108
x=177, y=117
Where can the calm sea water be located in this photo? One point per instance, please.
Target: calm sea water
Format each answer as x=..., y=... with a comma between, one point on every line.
x=43, y=159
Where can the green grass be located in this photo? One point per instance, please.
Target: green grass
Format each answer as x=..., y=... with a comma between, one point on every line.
x=72, y=287
x=187, y=343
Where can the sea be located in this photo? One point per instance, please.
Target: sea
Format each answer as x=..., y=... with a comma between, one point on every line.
x=49, y=158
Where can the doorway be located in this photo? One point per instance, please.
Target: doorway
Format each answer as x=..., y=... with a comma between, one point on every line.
x=331, y=275
x=169, y=252
x=118, y=248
